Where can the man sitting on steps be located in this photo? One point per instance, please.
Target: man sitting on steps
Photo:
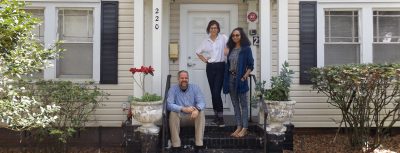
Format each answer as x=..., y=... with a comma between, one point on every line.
x=186, y=103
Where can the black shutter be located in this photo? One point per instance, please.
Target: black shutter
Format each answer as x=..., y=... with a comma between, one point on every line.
x=308, y=39
x=109, y=43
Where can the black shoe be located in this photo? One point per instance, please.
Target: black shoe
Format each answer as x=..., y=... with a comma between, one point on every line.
x=215, y=121
x=221, y=122
x=176, y=150
x=199, y=149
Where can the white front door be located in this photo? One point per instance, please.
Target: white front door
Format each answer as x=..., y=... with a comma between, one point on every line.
x=192, y=34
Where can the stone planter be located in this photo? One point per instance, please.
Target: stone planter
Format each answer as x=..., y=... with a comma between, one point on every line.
x=147, y=113
x=279, y=112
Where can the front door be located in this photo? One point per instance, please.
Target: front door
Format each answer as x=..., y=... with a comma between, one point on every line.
x=196, y=24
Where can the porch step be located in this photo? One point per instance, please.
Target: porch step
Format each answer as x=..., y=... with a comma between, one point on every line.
x=219, y=138
x=226, y=151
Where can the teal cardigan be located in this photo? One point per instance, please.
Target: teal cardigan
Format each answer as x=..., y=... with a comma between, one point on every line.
x=245, y=61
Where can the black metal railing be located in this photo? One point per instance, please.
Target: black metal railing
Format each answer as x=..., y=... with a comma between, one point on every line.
x=165, y=114
x=252, y=78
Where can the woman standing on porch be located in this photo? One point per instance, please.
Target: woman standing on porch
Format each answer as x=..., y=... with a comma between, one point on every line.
x=239, y=64
x=211, y=52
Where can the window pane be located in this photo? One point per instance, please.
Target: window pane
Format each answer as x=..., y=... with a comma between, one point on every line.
x=39, y=29
x=76, y=61
x=341, y=26
x=386, y=26
x=386, y=53
x=76, y=25
x=38, y=32
x=75, y=28
x=341, y=54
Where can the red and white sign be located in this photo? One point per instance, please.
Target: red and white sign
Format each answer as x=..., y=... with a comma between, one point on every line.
x=252, y=16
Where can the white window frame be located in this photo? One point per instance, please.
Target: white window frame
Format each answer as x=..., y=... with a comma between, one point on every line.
x=50, y=33
x=365, y=22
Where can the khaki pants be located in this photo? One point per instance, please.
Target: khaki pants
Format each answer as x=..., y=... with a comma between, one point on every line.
x=178, y=119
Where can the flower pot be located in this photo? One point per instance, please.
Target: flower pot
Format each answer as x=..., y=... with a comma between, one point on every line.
x=279, y=112
x=147, y=113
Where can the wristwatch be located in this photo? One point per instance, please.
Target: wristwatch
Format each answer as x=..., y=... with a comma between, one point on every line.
x=198, y=108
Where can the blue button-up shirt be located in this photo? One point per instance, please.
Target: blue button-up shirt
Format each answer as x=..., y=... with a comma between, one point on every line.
x=191, y=97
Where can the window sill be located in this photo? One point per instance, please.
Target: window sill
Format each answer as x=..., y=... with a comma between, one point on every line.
x=76, y=80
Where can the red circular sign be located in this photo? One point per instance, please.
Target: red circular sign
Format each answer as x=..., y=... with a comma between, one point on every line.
x=252, y=16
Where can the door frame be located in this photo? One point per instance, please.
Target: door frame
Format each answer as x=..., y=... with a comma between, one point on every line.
x=184, y=11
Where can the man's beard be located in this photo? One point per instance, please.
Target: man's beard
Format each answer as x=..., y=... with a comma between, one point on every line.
x=182, y=86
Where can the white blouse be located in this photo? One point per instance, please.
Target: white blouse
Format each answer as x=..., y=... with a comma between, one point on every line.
x=213, y=50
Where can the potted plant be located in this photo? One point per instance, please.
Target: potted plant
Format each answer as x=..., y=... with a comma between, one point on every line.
x=146, y=109
x=276, y=100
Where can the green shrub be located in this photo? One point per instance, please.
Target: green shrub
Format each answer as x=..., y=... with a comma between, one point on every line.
x=147, y=97
x=366, y=94
x=280, y=85
x=77, y=102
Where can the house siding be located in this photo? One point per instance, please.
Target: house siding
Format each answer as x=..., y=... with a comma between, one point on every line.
x=312, y=110
x=110, y=113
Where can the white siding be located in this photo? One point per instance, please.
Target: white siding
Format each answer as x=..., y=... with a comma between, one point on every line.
x=110, y=113
x=312, y=110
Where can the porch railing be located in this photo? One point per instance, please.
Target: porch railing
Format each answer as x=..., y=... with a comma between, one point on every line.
x=165, y=114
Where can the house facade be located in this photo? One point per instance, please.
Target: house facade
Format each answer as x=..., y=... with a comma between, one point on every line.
x=105, y=38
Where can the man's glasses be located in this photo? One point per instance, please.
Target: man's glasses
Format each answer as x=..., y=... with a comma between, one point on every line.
x=235, y=35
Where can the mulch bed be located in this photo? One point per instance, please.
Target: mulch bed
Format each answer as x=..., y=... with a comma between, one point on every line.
x=323, y=143
x=312, y=141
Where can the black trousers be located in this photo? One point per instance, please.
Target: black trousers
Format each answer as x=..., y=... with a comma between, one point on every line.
x=215, y=76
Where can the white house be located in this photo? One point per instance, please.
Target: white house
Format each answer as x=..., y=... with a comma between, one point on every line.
x=106, y=38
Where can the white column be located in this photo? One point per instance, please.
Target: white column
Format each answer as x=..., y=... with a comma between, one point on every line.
x=282, y=32
x=50, y=37
x=157, y=45
x=265, y=39
x=367, y=35
x=138, y=44
x=253, y=7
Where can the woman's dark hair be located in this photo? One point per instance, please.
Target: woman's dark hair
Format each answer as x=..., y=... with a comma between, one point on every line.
x=244, y=40
x=212, y=22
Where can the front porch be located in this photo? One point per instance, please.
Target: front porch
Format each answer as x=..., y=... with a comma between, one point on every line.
x=126, y=139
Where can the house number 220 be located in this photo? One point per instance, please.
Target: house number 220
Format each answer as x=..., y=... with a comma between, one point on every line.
x=157, y=18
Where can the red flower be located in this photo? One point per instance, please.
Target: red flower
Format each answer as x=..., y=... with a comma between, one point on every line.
x=144, y=70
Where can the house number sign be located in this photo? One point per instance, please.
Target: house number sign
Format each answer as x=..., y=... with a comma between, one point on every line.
x=156, y=18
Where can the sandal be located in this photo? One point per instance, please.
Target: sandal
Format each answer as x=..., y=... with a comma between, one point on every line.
x=238, y=129
x=242, y=133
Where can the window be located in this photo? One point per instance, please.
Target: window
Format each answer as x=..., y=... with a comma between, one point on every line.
x=75, y=30
x=39, y=29
x=386, y=47
x=341, y=37
x=38, y=32
x=77, y=26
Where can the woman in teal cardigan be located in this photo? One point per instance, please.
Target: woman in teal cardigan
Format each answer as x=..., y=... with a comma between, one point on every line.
x=239, y=64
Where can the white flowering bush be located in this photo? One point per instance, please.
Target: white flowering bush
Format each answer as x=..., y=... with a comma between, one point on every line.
x=20, y=55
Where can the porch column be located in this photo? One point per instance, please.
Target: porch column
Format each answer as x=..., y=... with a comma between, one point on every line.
x=253, y=7
x=282, y=32
x=265, y=39
x=138, y=43
x=157, y=45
